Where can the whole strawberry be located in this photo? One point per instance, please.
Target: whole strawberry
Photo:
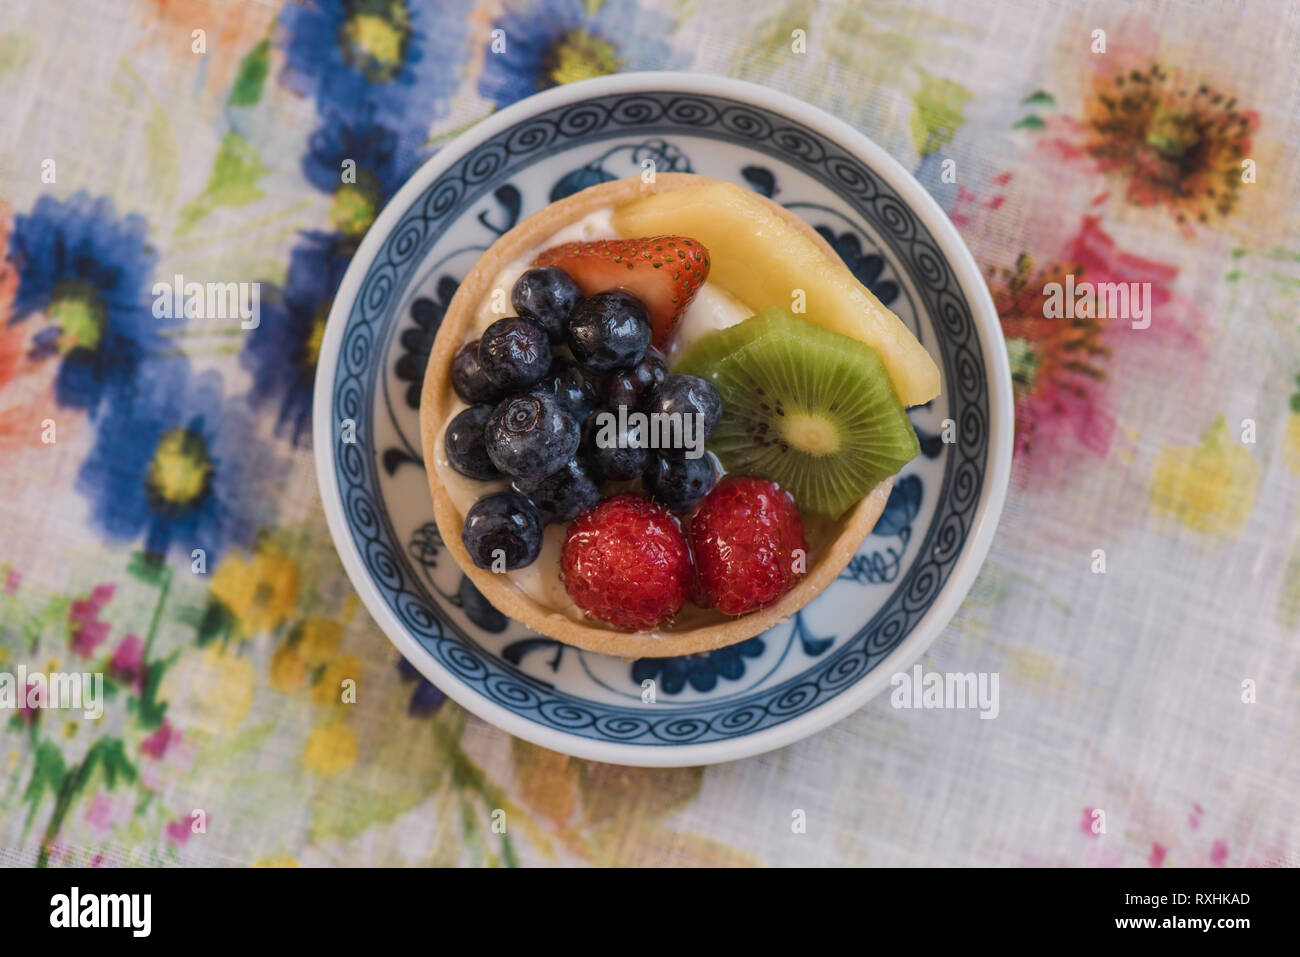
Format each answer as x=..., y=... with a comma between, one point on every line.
x=626, y=562
x=749, y=545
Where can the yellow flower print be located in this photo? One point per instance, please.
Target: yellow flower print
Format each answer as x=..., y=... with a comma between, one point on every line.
x=328, y=687
x=260, y=593
x=276, y=862
x=319, y=639
x=223, y=689
x=1291, y=444
x=1208, y=487
x=288, y=670
x=308, y=650
x=331, y=748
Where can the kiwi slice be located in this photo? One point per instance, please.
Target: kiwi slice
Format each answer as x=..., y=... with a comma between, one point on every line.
x=810, y=409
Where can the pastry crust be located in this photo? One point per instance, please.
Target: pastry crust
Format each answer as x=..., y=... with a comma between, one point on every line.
x=437, y=398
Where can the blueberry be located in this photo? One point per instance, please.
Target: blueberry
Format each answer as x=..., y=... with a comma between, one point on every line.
x=617, y=454
x=547, y=296
x=466, y=450
x=570, y=386
x=468, y=378
x=514, y=353
x=688, y=395
x=530, y=436
x=677, y=481
x=609, y=331
x=563, y=495
x=502, y=530
x=632, y=387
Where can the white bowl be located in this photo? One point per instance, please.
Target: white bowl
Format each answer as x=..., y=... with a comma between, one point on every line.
x=899, y=591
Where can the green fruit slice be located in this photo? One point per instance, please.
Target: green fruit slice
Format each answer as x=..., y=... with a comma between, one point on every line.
x=807, y=408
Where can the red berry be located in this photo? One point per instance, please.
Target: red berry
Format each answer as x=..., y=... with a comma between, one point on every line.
x=749, y=545
x=664, y=272
x=626, y=562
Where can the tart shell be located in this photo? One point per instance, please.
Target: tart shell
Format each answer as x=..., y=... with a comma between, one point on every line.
x=437, y=397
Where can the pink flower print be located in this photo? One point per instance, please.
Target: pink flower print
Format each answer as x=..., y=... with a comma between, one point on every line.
x=102, y=595
x=29, y=709
x=84, y=613
x=88, y=637
x=178, y=831
x=1219, y=853
x=100, y=812
x=127, y=663
x=1087, y=822
x=156, y=744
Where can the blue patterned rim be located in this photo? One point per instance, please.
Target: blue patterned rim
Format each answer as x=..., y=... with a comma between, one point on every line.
x=367, y=325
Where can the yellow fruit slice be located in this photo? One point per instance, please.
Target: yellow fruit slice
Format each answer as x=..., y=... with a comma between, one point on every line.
x=762, y=260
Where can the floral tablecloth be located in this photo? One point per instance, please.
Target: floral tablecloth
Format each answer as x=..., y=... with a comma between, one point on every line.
x=1141, y=603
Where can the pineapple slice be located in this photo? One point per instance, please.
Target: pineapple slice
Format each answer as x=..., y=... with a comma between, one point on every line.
x=761, y=260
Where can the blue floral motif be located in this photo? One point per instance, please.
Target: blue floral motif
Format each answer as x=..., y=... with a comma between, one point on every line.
x=427, y=698
x=813, y=645
x=173, y=461
x=702, y=671
x=394, y=59
x=867, y=267
x=510, y=202
x=425, y=546
x=666, y=157
x=478, y=609
x=760, y=180
x=417, y=342
x=593, y=174
x=901, y=509
x=550, y=42
x=281, y=353
x=931, y=442
x=90, y=273
x=517, y=650
x=881, y=567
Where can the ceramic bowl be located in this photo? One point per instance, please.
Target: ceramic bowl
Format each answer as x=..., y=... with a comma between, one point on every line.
x=893, y=597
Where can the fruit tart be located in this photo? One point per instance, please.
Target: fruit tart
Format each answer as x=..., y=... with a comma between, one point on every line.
x=660, y=418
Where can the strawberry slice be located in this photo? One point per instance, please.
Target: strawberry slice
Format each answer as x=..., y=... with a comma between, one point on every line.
x=664, y=272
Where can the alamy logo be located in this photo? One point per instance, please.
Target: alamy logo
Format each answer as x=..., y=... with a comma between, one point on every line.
x=946, y=690
x=658, y=430
x=133, y=911
x=179, y=299
x=72, y=691
x=1103, y=300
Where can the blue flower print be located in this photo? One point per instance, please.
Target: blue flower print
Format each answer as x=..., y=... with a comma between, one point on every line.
x=90, y=274
x=544, y=44
x=361, y=164
x=176, y=463
x=399, y=58
x=281, y=353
